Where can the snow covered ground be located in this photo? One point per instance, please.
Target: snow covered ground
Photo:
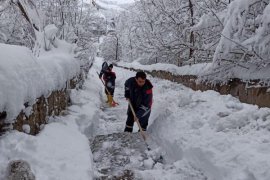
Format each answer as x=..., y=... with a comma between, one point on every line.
x=202, y=134
x=217, y=134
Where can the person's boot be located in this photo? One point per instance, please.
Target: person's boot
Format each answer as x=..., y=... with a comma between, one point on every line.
x=110, y=100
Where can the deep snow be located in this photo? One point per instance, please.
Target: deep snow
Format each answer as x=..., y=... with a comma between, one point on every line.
x=25, y=77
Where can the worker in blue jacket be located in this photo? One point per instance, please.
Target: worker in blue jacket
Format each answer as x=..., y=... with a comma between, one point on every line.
x=138, y=90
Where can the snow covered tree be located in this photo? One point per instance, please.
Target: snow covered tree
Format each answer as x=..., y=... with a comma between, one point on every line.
x=110, y=48
x=160, y=30
x=188, y=31
x=23, y=22
x=19, y=22
x=245, y=35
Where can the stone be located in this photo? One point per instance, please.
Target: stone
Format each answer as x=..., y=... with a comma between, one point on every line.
x=115, y=155
x=20, y=170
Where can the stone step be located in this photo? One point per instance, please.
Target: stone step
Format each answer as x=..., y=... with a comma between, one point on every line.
x=117, y=155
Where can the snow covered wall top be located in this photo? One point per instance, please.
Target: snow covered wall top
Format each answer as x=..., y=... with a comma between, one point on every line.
x=196, y=69
x=246, y=72
x=24, y=77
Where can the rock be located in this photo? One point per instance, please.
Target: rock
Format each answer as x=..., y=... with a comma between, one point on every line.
x=115, y=155
x=20, y=170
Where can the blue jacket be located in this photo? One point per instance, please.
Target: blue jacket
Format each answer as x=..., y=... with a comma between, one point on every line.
x=140, y=97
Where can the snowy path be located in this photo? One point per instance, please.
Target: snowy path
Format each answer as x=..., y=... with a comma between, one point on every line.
x=143, y=163
x=103, y=123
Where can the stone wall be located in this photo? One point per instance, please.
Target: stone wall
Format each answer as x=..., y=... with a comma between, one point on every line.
x=44, y=107
x=247, y=92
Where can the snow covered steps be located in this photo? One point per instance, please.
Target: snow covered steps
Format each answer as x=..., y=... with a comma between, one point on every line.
x=119, y=155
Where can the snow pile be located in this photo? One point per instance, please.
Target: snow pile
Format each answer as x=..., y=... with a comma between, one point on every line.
x=218, y=135
x=60, y=151
x=86, y=103
x=245, y=72
x=25, y=77
x=50, y=31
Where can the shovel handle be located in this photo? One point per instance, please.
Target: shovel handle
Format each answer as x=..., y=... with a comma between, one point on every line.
x=104, y=85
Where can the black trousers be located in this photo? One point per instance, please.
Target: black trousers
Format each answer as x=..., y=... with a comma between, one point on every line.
x=111, y=91
x=130, y=121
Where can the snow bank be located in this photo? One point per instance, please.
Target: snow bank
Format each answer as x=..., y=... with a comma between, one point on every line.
x=206, y=71
x=195, y=69
x=24, y=77
x=87, y=102
x=245, y=71
x=60, y=151
x=218, y=135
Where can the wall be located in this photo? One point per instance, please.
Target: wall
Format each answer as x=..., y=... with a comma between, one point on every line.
x=44, y=107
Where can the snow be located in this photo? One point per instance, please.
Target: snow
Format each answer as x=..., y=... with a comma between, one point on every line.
x=83, y=118
x=25, y=77
x=60, y=151
x=195, y=69
x=112, y=8
x=115, y=2
x=245, y=72
x=50, y=31
x=118, y=1
x=26, y=128
x=236, y=34
x=107, y=6
x=217, y=134
x=202, y=134
x=148, y=163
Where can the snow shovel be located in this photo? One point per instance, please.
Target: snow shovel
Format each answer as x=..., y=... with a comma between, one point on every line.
x=113, y=102
x=139, y=125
